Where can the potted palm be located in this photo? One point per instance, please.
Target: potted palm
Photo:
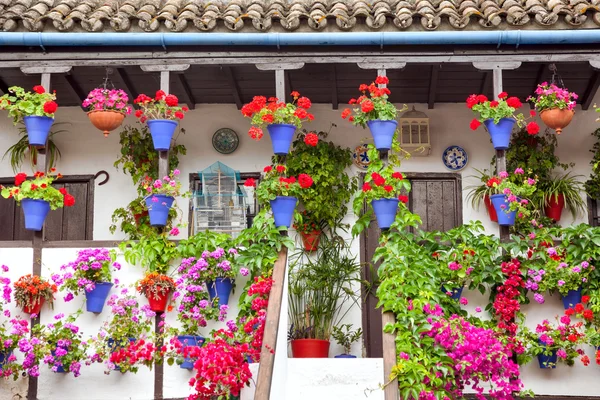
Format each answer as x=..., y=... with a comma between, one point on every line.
x=345, y=336
x=555, y=105
x=21, y=150
x=281, y=192
x=35, y=109
x=281, y=119
x=322, y=290
x=375, y=111
x=561, y=191
x=499, y=117
x=160, y=114
x=107, y=108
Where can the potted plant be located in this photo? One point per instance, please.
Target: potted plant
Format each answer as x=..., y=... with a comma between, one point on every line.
x=65, y=342
x=309, y=230
x=160, y=114
x=558, y=342
x=107, y=108
x=511, y=193
x=281, y=193
x=483, y=192
x=31, y=291
x=383, y=190
x=36, y=109
x=19, y=151
x=322, y=291
x=375, y=111
x=556, y=105
x=499, y=117
x=11, y=332
x=345, y=336
x=454, y=269
x=281, y=119
x=38, y=197
x=560, y=191
x=218, y=270
x=89, y=274
x=156, y=287
x=161, y=194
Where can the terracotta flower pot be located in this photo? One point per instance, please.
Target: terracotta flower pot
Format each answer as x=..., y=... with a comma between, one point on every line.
x=158, y=303
x=554, y=207
x=35, y=308
x=557, y=119
x=139, y=216
x=106, y=120
x=490, y=208
x=310, y=348
x=311, y=240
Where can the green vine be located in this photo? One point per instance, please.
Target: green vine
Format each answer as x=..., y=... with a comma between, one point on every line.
x=592, y=186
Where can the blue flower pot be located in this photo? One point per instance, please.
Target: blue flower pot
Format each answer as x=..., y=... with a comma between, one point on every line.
x=382, y=132
x=505, y=218
x=189, y=340
x=281, y=137
x=4, y=356
x=220, y=288
x=500, y=132
x=456, y=293
x=96, y=298
x=249, y=360
x=38, y=129
x=547, y=362
x=35, y=212
x=344, y=356
x=114, y=346
x=283, y=210
x=59, y=370
x=159, y=210
x=162, y=132
x=385, y=211
x=572, y=298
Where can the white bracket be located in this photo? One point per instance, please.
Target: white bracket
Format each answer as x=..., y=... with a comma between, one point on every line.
x=279, y=66
x=497, y=65
x=45, y=70
x=595, y=64
x=165, y=67
x=381, y=65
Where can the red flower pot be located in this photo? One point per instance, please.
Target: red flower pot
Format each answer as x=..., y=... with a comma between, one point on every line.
x=158, y=303
x=554, y=207
x=490, y=208
x=311, y=240
x=139, y=216
x=35, y=307
x=310, y=348
x=557, y=119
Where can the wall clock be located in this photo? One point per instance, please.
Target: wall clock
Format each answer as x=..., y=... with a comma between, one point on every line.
x=225, y=141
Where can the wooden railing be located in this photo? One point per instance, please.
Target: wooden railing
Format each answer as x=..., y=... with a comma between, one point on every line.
x=389, y=357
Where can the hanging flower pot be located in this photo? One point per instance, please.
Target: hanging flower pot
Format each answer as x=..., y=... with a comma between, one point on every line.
x=38, y=129
x=220, y=288
x=96, y=298
x=383, y=133
x=554, y=207
x=310, y=348
x=385, y=211
x=35, y=212
x=547, y=361
x=456, y=293
x=557, y=119
x=310, y=240
x=138, y=217
x=344, y=356
x=162, y=131
x=158, y=302
x=283, y=210
x=572, y=298
x=59, y=369
x=4, y=356
x=490, y=208
x=555, y=104
x=281, y=137
x=158, y=208
x=106, y=120
x=500, y=132
x=34, y=307
x=157, y=288
x=160, y=113
x=189, y=341
x=501, y=205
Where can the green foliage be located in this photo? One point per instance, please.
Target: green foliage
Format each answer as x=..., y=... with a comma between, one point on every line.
x=134, y=221
x=372, y=105
x=20, y=150
x=567, y=185
x=325, y=201
x=20, y=103
x=204, y=241
x=153, y=252
x=275, y=183
x=592, y=185
x=345, y=336
x=39, y=188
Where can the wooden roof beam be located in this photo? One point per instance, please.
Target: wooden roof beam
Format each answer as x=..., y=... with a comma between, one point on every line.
x=433, y=81
x=334, y=95
x=129, y=88
x=190, y=100
x=76, y=89
x=3, y=86
x=235, y=90
x=592, y=87
x=538, y=78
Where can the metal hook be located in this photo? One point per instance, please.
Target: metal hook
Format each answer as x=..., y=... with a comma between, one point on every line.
x=556, y=78
x=107, y=177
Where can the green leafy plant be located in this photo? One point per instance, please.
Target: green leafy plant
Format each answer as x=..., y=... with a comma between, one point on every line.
x=592, y=185
x=569, y=187
x=162, y=106
x=19, y=151
x=20, y=103
x=154, y=252
x=518, y=189
x=477, y=192
x=38, y=188
x=372, y=105
x=326, y=201
x=503, y=107
x=276, y=184
x=345, y=336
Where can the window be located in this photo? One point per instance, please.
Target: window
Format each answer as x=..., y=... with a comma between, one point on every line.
x=69, y=223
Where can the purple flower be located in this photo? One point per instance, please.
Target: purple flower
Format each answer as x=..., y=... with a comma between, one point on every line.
x=585, y=264
x=244, y=271
x=403, y=355
x=560, y=282
x=539, y=298
x=4, y=268
x=477, y=309
x=551, y=251
x=519, y=171
x=562, y=354
x=69, y=297
x=576, y=269
x=503, y=174
x=464, y=301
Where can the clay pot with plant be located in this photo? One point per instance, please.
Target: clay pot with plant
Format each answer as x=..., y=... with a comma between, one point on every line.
x=556, y=105
x=560, y=191
x=107, y=108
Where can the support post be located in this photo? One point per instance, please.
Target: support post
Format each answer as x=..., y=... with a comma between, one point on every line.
x=163, y=156
x=383, y=154
x=389, y=358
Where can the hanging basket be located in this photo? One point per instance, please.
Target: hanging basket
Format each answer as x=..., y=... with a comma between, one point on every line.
x=106, y=120
x=557, y=119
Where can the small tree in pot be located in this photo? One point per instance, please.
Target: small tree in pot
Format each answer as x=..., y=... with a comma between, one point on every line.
x=345, y=336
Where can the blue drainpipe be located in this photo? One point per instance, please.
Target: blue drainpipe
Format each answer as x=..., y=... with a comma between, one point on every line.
x=498, y=38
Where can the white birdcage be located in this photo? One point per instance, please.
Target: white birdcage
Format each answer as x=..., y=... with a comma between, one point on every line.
x=414, y=133
x=220, y=205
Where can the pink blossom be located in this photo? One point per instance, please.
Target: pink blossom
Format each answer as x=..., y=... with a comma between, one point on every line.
x=503, y=174
x=519, y=171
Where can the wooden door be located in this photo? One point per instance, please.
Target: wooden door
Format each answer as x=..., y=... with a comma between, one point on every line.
x=437, y=198
x=69, y=223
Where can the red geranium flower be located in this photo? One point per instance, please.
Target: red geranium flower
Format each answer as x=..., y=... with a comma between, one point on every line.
x=305, y=181
x=39, y=89
x=171, y=100
x=397, y=175
x=179, y=115
x=514, y=102
x=585, y=298
x=139, y=113
x=255, y=133
x=304, y=102
x=268, y=118
x=363, y=87
x=403, y=198
x=482, y=98
x=250, y=182
x=366, y=187
x=388, y=188
x=160, y=95
x=50, y=107
x=346, y=112
x=301, y=113
x=311, y=139
x=474, y=124
x=294, y=95
x=382, y=80
x=494, y=104
x=367, y=106
x=533, y=128
x=378, y=179
x=268, y=168
x=503, y=95
x=472, y=100
x=69, y=200
x=280, y=169
x=20, y=178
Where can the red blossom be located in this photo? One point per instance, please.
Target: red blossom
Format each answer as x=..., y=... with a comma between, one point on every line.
x=305, y=181
x=494, y=104
x=346, y=113
x=69, y=200
x=250, y=182
x=585, y=298
x=514, y=102
x=388, y=188
x=268, y=118
x=280, y=168
x=378, y=179
x=39, y=89
x=268, y=168
x=503, y=95
x=304, y=102
x=533, y=128
x=179, y=115
x=20, y=178
x=482, y=98
x=474, y=124
x=301, y=113
x=50, y=107
x=311, y=139
x=294, y=94
x=472, y=100
x=382, y=80
x=367, y=106
x=160, y=94
x=255, y=133
x=403, y=198
x=397, y=175
x=366, y=187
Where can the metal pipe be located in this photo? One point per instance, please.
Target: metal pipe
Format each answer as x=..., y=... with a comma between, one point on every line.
x=514, y=38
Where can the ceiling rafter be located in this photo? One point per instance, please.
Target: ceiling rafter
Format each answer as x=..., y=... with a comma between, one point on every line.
x=76, y=89
x=235, y=90
x=433, y=81
x=187, y=91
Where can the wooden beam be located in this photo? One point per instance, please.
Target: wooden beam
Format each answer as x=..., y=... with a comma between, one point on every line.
x=288, y=86
x=381, y=65
x=433, y=81
x=486, y=82
x=165, y=67
x=76, y=89
x=3, y=86
x=269, y=346
x=500, y=154
x=129, y=88
x=390, y=391
x=235, y=90
x=334, y=96
x=590, y=91
x=280, y=84
x=279, y=66
x=190, y=100
x=486, y=65
x=45, y=70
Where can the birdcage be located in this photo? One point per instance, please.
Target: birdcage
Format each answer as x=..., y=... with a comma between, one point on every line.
x=220, y=204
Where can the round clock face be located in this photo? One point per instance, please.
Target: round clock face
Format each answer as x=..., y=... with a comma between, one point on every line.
x=225, y=141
